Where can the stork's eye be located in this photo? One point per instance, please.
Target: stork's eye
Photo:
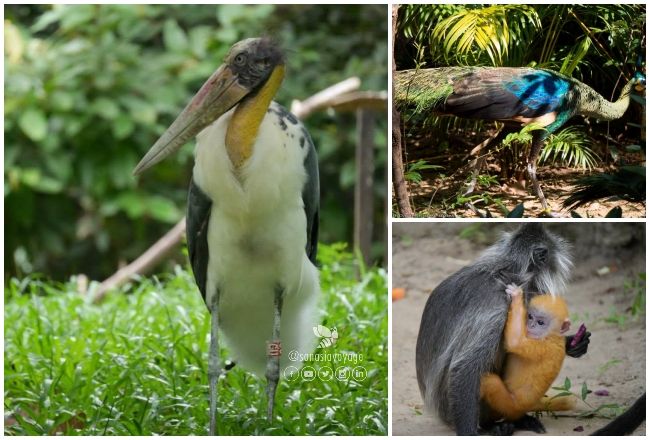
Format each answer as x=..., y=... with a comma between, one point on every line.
x=240, y=59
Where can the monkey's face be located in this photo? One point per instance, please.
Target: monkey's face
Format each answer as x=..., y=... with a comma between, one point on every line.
x=540, y=324
x=539, y=253
x=535, y=242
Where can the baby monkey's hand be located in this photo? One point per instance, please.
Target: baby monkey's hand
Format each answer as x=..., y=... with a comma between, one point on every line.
x=513, y=291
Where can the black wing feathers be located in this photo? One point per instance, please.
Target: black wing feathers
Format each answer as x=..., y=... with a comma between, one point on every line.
x=311, y=198
x=198, y=218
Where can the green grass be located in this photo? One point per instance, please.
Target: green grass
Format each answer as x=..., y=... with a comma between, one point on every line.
x=137, y=363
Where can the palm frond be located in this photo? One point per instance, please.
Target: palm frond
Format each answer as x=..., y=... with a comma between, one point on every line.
x=570, y=148
x=499, y=32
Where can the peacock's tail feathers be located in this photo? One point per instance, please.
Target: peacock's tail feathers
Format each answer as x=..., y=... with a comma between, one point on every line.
x=421, y=91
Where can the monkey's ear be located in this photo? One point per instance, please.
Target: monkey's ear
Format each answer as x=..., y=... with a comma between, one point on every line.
x=540, y=255
x=565, y=326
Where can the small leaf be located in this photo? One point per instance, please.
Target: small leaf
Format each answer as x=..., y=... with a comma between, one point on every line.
x=199, y=38
x=615, y=212
x=74, y=17
x=584, y=391
x=163, y=209
x=123, y=126
x=48, y=185
x=174, y=37
x=61, y=101
x=34, y=124
x=105, y=108
x=46, y=19
x=517, y=212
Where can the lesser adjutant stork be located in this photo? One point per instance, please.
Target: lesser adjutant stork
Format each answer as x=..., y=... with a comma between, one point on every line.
x=252, y=215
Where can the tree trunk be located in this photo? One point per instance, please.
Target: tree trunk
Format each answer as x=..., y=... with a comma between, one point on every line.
x=399, y=184
x=363, y=189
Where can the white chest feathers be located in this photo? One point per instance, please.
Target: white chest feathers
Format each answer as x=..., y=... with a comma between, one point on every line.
x=272, y=178
x=257, y=235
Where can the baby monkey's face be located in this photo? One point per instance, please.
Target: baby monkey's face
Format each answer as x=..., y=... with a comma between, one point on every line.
x=540, y=324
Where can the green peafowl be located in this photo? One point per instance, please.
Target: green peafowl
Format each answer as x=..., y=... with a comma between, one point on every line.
x=513, y=95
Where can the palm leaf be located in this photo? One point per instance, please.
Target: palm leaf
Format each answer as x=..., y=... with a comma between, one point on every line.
x=570, y=148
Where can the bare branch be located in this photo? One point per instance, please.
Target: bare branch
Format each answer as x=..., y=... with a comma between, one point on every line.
x=145, y=262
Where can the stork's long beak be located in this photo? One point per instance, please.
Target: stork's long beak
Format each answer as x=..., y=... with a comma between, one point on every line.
x=218, y=95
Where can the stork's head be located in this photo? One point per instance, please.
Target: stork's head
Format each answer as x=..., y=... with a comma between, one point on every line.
x=249, y=65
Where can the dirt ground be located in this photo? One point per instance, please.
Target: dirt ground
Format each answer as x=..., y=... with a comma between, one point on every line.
x=426, y=253
x=557, y=183
x=436, y=194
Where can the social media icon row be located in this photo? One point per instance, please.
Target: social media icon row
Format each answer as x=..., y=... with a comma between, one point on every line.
x=309, y=373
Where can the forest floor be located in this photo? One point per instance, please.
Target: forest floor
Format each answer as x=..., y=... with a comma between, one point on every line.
x=615, y=361
x=436, y=195
x=557, y=184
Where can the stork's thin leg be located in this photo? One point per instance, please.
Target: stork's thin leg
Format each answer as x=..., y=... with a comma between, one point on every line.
x=214, y=365
x=274, y=351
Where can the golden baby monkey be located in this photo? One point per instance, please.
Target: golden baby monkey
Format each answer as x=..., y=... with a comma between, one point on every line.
x=535, y=351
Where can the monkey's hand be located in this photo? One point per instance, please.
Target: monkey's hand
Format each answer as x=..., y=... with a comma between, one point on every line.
x=580, y=348
x=513, y=290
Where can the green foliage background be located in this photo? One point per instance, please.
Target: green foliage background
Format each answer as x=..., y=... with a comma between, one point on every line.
x=584, y=41
x=88, y=88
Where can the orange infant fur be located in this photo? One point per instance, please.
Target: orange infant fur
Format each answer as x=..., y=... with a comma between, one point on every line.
x=535, y=351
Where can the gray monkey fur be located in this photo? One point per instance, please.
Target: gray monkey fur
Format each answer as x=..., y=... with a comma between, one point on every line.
x=462, y=323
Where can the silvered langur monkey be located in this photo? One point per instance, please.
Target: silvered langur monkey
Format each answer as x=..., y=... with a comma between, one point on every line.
x=462, y=325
